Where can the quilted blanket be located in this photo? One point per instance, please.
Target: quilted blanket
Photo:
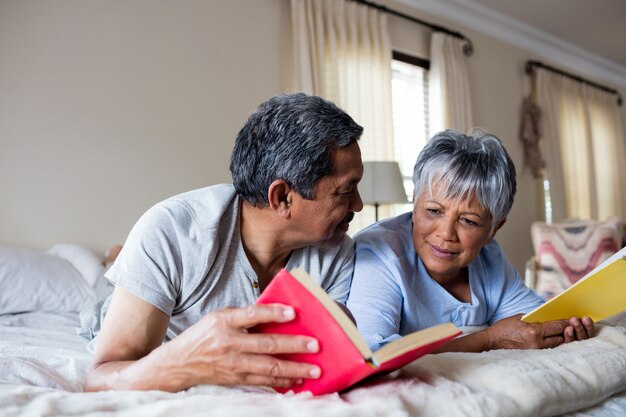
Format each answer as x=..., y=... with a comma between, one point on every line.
x=585, y=378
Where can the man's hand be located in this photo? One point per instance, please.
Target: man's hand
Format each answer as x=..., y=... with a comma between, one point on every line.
x=216, y=350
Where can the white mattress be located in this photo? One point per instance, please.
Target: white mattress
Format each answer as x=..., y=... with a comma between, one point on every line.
x=42, y=349
x=43, y=363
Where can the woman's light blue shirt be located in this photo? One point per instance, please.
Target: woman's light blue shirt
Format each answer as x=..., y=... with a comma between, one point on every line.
x=392, y=294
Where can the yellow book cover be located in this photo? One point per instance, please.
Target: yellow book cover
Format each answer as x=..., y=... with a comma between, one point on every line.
x=599, y=294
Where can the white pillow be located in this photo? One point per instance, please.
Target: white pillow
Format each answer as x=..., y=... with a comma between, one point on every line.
x=32, y=280
x=86, y=261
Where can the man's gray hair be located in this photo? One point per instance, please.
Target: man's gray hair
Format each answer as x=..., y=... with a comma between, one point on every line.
x=476, y=164
x=290, y=137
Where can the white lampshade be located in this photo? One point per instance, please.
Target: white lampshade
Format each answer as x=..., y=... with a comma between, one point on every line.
x=382, y=184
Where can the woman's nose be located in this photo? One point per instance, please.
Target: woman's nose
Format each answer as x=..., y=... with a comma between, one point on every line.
x=446, y=230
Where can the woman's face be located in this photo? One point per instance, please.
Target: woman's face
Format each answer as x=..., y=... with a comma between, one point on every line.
x=448, y=233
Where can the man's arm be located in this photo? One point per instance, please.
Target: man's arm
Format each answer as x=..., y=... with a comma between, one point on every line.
x=216, y=350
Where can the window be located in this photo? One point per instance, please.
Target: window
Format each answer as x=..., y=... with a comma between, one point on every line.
x=409, y=89
x=409, y=101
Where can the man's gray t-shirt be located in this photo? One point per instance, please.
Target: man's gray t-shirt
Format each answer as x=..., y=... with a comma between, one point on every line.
x=185, y=257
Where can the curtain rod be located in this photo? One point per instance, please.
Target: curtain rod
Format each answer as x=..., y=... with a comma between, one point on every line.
x=468, y=46
x=530, y=65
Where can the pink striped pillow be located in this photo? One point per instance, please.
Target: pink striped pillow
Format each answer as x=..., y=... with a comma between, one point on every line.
x=566, y=252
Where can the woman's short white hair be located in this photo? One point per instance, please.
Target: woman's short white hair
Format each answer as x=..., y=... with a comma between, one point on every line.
x=473, y=165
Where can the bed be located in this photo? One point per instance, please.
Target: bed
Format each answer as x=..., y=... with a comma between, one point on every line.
x=44, y=356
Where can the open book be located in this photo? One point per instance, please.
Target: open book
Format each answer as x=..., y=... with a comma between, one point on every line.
x=599, y=294
x=344, y=356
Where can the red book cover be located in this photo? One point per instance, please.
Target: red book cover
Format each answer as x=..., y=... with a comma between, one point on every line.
x=344, y=356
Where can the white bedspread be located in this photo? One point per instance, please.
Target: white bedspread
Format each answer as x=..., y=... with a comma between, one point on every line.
x=45, y=351
x=42, y=349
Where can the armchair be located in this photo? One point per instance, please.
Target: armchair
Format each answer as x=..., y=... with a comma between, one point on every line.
x=565, y=252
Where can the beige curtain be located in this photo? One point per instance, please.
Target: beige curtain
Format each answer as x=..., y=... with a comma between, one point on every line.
x=584, y=149
x=449, y=93
x=342, y=52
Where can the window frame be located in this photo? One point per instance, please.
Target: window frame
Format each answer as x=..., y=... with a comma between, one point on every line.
x=425, y=65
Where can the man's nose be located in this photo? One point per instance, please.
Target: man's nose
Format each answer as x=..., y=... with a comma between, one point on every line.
x=356, y=204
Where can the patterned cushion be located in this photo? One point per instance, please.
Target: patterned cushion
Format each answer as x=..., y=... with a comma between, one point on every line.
x=568, y=251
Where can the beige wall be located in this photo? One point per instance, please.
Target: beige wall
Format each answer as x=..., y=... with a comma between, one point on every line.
x=109, y=107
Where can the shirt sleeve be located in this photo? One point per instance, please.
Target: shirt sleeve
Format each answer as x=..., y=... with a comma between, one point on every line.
x=515, y=298
x=148, y=265
x=338, y=285
x=375, y=297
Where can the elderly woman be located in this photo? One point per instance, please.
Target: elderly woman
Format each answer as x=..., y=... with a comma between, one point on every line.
x=441, y=263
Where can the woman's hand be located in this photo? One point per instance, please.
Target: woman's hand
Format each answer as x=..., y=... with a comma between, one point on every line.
x=579, y=329
x=512, y=333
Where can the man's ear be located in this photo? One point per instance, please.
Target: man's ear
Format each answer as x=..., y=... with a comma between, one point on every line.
x=279, y=197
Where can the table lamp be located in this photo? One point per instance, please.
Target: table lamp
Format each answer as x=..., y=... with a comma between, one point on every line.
x=382, y=184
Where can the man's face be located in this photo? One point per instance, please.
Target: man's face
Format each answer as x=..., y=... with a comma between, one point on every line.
x=448, y=234
x=324, y=220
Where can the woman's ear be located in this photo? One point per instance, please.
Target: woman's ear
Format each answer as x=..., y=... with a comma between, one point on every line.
x=495, y=229
x=279, y=197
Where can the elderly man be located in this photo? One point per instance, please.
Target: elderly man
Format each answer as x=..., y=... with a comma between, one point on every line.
x=194, y=264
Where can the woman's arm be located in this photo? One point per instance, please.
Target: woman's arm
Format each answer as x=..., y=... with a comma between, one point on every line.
x=512, y=333
x=375, y=299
